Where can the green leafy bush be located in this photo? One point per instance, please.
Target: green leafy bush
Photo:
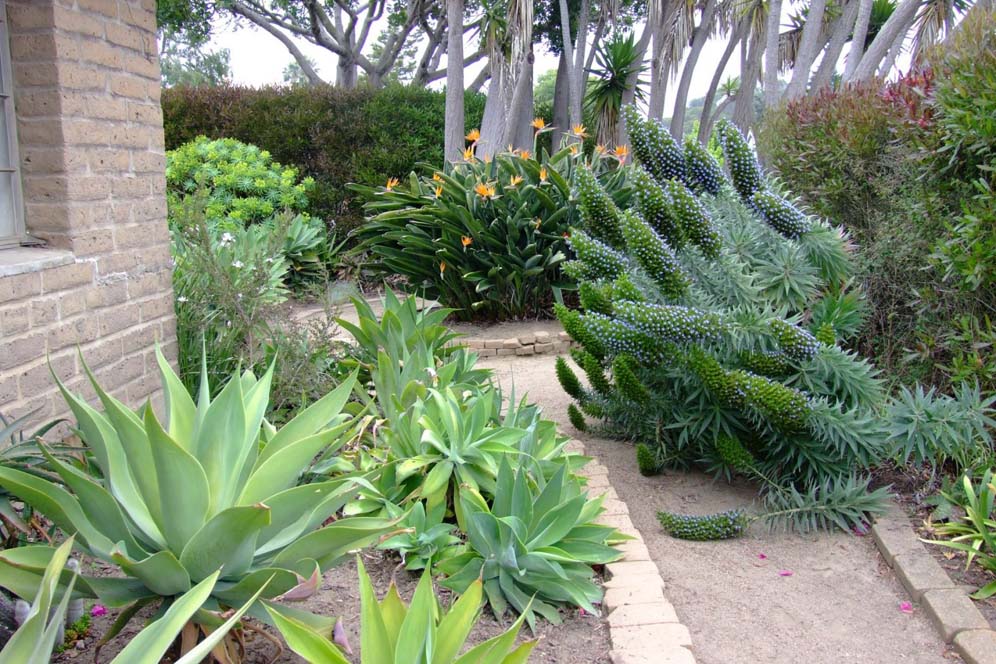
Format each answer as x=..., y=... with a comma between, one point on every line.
x=485, y=238
x=694, y=346
x=242, y=188
x=975, y=533
x=216, y=488
x=908, y=170
x=332, y=135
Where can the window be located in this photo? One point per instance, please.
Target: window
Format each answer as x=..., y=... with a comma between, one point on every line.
x=11, y=203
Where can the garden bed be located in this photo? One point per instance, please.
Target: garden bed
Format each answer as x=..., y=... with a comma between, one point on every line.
x=763, y=597
x=581, y=639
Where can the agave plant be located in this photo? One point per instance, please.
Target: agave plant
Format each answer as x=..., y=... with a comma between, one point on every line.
x=215, y=489
x=424, y=541
x=20, y=450
x=420, y=633
x=534, y=547
x=36, y=638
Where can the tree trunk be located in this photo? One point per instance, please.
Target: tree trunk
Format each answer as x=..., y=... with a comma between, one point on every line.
x=773, y=25
x=738, y=34
x=699, y=38
x=841, y=29
x=454, y=122
x=561, y=102
x=743, y=107
x=895, y=28
x=573, y=103
x=715, y=115
x=580, y=75
x=519, y=132
x=629, y=94
x=346, y=74
x=893, y=55
x=809, y=48
x=495, y=120
x=858, y=38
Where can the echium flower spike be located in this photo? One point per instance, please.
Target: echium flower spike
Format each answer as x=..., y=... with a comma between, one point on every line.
x=796, y=342
x=671, y=323
x=599, y=213
x=740, y=160
x=780, y=214
x=655, y=256
x=654, y=147
x=600, y=260
x=704, y=171
x=596, y=297
x=654, y=204
x=695, y=223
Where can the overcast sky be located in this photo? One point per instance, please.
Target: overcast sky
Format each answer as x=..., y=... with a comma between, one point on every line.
x=257, y=58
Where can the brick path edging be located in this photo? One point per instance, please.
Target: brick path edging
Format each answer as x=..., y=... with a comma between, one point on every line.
x=643, y=625
x=533, y=343
x=953, y=613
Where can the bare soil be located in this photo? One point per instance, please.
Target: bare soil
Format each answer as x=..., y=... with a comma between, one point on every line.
x=766, y=597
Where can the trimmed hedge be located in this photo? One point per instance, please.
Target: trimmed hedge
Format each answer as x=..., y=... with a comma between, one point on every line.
x=333, y=135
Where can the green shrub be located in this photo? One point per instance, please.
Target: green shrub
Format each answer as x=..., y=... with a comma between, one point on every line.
x=696, y=355
x=333, y=136
x=485, y=238
x=908, y=170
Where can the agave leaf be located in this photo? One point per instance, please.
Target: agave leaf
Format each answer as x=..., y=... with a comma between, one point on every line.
x=204, y=648
x=277, y=580
x=162, y=573
x=335, y=540
x=220, y=439
x=180, y=407
x=416, y=638
x=151, y=643
x=304, y=641
x=311, y=419
x=393, y=611
x=280, y=471
x=101, y=438
x=376, y=643
x=455, y=626
x=33, y=642
x=57, y=504
x=226, y=542
x=301, y=509
x=98, y=505
x=184, y=489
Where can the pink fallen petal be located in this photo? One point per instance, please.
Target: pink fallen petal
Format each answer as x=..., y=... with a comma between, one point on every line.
x=762, y=556
x=785, y=572
x=98, y=610
x=340, y=637
x=906, y=607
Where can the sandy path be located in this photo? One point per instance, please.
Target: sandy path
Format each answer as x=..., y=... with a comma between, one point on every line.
x=840, y=604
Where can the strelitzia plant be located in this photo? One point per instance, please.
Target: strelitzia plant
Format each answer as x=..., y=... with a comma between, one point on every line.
x=534, y=546
x=212, y=490
x=975, y=533
x=419, y=633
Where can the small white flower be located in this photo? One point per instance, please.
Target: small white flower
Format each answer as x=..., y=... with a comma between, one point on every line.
x=181, y=299
x=237, y=264
x=226, y=239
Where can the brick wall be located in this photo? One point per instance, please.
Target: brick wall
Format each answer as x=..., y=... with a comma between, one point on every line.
x=86, y=79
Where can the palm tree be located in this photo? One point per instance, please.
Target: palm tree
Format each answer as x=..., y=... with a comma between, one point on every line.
x=811, y=42
x=700, y=35
x=506, y=30
x=619, y=64
x=454, y=116
x=893, y=31
x=858, y=37
x=771, y=59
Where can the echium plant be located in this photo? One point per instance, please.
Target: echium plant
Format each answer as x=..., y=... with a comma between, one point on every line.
x=692, y=342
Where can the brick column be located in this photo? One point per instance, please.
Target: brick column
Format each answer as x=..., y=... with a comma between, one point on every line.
x=86, y=85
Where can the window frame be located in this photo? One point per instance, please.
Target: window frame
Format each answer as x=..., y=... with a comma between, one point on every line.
x=7, y=102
